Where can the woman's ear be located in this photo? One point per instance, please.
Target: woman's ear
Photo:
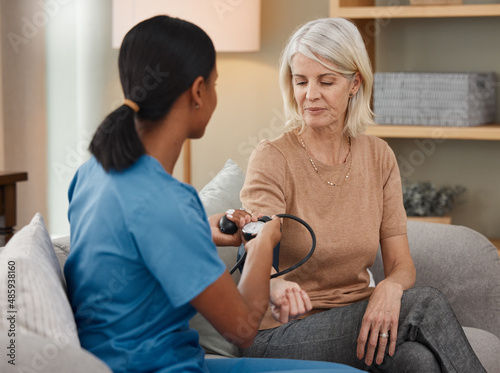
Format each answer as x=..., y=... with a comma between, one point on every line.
x=355, y=84
x=197, y=89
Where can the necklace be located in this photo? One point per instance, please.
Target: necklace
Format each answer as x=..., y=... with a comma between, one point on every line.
x=316, y=169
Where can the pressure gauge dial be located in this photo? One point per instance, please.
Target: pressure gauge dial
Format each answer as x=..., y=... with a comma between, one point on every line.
x=251, y=229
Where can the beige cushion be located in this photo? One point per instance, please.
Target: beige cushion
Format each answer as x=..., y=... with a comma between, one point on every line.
x=40, y=301
x=61, y=248
x=219, y=195
x=223, y=191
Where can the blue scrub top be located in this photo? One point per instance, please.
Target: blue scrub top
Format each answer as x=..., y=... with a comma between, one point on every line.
x=141, y=250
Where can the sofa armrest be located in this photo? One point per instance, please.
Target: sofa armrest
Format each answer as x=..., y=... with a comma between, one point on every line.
x=461, y=263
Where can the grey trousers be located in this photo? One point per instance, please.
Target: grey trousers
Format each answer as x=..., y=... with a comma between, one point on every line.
x=430, y=338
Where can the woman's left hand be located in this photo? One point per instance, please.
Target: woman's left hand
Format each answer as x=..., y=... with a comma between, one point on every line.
x=380, y=322
x=288, y=301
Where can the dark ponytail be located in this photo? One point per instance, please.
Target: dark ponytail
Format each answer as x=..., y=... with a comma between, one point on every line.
x=116, y=144
x=159, y=60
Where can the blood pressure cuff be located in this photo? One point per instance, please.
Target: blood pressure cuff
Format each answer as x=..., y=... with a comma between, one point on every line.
x=276, y=256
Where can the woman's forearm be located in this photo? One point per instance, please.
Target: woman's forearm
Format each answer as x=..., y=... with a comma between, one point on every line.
x=398, y=264
x=402, y=274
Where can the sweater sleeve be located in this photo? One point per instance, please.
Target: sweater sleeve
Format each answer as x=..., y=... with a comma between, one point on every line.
x=394, y=215
x=264, y=189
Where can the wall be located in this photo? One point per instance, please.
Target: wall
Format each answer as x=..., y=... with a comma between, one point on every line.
x=82, y=87
x=454, y=44
x=250, y=106
x=23, y=98
x=2, y=150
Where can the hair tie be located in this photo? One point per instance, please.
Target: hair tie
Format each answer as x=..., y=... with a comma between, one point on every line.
x=131, y=104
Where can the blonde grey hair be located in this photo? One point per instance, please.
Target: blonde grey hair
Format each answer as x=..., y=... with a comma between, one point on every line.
x=338, y=41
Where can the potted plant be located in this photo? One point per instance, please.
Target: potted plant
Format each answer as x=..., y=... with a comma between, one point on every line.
x=426, y=201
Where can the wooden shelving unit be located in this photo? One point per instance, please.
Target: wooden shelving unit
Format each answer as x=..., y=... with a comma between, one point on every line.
x=364, y=11
x=366, y=15
x=486, y=132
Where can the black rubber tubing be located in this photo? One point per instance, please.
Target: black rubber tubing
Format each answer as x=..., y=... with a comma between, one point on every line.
x=296, y=265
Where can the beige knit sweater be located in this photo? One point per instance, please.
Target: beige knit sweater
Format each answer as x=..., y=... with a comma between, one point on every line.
x=349, y=220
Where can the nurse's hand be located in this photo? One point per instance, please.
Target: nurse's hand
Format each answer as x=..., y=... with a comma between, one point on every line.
x=239, y=217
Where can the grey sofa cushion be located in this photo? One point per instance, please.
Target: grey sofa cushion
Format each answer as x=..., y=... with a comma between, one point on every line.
x=463, y=264
x=487, y=348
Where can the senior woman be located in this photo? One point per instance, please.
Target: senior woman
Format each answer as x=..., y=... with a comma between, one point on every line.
x=347, y=186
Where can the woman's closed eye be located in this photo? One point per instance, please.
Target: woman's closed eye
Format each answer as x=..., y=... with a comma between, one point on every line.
x=304, y=82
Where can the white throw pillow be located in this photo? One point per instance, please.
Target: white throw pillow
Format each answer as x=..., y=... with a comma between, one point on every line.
x=223, y=191
x=37, y=297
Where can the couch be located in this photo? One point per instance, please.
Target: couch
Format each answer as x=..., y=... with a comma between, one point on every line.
x=38, y=332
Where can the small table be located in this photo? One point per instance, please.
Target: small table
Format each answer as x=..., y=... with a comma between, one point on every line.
x=8, y=209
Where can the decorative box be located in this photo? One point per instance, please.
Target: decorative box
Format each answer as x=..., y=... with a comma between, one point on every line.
x=437, y=99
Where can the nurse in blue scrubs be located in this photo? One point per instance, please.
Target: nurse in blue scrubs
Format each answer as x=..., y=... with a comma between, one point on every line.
x=143, y=255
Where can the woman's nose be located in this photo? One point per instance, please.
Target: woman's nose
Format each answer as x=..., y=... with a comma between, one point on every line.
x=312, y=92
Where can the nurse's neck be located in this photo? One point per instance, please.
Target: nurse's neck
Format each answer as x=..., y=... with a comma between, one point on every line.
x=164, y=142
